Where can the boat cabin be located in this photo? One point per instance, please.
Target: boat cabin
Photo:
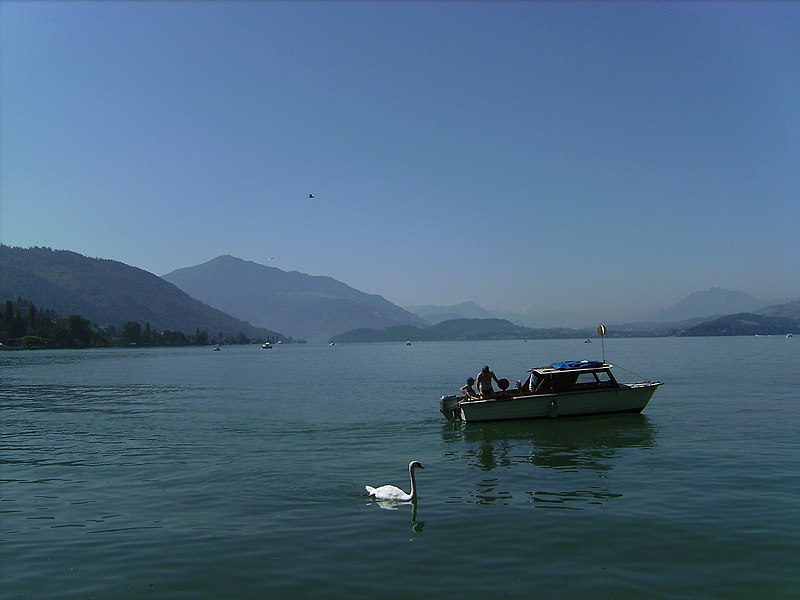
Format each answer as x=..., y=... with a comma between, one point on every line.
x=570, y=376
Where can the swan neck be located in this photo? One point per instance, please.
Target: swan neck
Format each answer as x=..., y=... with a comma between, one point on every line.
x=413, y=483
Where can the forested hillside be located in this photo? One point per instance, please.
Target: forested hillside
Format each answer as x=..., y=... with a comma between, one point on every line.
x=108, y=292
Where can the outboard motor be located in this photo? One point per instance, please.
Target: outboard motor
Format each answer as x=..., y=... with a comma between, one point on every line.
x=448, y=405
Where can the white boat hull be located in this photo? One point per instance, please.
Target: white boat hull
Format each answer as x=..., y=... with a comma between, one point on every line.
x=625, y=398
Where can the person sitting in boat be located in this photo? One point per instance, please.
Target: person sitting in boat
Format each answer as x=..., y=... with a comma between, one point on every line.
x=468, y=390
x=485, y=378
x=530, y=384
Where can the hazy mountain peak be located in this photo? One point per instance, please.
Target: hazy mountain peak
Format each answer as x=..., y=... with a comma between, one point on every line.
x=707, y=303
x=464, y=310
x=309, y=306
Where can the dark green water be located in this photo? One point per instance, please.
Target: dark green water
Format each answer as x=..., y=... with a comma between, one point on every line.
x=197, y=474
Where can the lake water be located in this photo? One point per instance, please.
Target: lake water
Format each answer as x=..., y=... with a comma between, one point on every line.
x=187, y=473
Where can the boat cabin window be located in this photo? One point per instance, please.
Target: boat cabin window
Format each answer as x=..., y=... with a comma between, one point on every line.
x=604, y=377
x=594, y=379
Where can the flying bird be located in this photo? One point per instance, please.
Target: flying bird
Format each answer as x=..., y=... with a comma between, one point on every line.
x=394, y=493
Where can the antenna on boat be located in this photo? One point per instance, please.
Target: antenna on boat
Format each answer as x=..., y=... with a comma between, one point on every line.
x=601, y=329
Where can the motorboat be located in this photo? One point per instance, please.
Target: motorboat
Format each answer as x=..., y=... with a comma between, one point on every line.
x=563, y=389
x=266, y=346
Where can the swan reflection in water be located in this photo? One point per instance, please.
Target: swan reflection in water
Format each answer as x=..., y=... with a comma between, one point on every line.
x=416, y=526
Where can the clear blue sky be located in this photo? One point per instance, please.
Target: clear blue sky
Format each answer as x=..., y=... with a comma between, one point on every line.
x=612, y=156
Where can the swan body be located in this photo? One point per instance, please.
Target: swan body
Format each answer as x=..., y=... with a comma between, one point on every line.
x=394, y=493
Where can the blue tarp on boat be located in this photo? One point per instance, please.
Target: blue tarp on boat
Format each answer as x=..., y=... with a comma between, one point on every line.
x=577, y=364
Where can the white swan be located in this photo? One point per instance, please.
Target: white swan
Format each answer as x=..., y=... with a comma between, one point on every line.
x=394, y=493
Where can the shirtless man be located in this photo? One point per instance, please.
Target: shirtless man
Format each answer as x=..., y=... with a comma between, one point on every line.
x=484, y=381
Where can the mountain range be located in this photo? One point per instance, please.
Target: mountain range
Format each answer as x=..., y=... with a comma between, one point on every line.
x=697, y=307
x=269, y=302
x=110, y=292
x=708, y=303
x=460, y=330
x=315, y=308
x=436, y=314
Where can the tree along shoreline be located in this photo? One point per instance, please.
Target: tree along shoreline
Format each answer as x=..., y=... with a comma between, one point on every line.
x=25, y=327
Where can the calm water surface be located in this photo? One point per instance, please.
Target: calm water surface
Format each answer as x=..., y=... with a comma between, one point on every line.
x=196, y=474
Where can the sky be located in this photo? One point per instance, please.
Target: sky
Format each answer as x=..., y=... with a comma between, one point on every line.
x=558, y=157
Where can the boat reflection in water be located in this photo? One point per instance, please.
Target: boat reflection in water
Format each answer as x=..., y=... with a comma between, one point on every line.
x=591, y=446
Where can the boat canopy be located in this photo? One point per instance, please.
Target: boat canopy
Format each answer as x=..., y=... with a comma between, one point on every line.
x=577, y=364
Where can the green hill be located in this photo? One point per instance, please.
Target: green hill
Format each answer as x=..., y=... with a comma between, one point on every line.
x=460, y=330
x=745, y=324
x=108, y=292
x=501, y=329
x=789, y=310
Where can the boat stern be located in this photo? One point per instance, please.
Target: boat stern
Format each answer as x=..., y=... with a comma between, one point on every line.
x=449, y=406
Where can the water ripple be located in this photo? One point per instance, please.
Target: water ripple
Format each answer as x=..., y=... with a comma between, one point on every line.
x=241, y=475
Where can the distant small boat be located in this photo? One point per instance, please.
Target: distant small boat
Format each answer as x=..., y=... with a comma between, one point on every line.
x=587, y=341
x=266, y=346
x=217, y=348
x=788, y=335
x=408, y=343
